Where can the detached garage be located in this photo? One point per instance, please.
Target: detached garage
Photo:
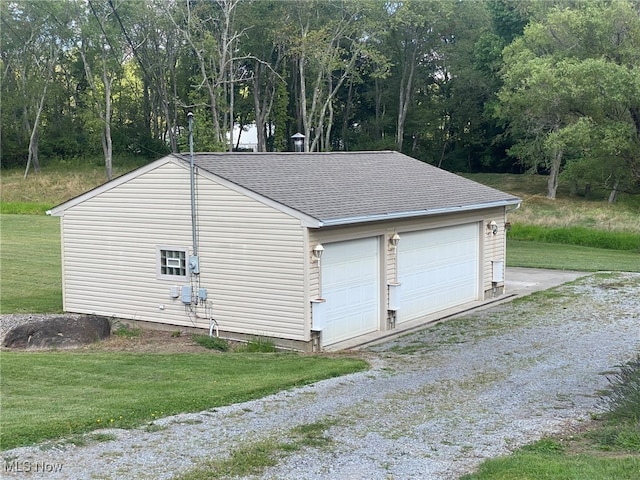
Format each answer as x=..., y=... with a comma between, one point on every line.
x=315, y=250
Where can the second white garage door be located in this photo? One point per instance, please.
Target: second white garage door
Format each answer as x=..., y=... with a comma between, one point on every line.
x=437, y=269
x=351, y=287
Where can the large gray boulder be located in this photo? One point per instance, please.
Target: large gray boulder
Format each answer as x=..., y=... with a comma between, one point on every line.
x=58, y=332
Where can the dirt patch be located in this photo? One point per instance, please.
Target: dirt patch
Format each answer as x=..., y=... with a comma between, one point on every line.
x=150, y=341
x=123, y=338
x=577, y=440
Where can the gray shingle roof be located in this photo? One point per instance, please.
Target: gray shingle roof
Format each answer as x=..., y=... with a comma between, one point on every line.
x=347, y=187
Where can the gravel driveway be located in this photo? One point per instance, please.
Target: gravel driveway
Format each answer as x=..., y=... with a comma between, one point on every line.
x=434, y=405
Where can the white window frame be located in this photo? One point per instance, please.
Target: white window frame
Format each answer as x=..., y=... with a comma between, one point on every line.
x=183, y=259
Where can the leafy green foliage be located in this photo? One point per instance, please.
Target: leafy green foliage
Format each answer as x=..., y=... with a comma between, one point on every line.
x=623, y=395
x=125, y=331
x=580, y=103
x=212, y=343
x=582, y=236
x=259, y=344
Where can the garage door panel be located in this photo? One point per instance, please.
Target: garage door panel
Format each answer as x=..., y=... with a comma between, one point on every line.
x=437, y=269
x=350, y=285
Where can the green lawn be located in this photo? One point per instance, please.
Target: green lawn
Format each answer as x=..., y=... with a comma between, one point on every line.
x=570, y=257
x=47, y=395
x=524, y=465
x=30, y=271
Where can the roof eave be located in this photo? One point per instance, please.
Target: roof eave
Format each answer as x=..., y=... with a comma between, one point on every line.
x=417, y=213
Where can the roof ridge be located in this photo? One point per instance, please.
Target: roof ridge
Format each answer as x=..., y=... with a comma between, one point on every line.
x=339, y=152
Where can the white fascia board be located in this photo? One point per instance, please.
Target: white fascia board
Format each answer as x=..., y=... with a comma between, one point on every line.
x=305, y=220
x=58, y=211
x=416, y=213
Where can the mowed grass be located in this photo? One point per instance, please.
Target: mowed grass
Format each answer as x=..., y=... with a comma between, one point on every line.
x=531, y=465
x=49, y=395
x=522, y=253
x=30, y=264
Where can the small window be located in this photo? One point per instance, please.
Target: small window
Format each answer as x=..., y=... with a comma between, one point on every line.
x=172, y=263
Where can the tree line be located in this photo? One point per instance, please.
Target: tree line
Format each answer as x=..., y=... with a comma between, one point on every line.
x=467, y=85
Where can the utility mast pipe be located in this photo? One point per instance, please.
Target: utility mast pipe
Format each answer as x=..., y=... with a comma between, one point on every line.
x=193, y=187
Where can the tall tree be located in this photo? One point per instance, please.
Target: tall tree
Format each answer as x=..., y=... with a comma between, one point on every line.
x=155, y=45
x=101, y=48
x=263, y=53
x=449, y=128
x=417, y=30
x=209, y=30
x=574, y=72
x=34, y=35
x=325, y=44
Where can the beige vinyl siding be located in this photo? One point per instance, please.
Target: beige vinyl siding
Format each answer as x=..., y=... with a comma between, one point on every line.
x=252, y=263
x=494, y=245
x=110, y=245
x=251, y=255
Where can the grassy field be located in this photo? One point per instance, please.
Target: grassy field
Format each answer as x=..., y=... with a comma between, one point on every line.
x=566, y=210
x=48, y=395
x=30, y=264
x=53, y=185
x=570, y=257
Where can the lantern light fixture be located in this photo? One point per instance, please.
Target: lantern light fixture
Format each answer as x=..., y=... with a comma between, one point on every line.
x=318, y=250
x=394, y=240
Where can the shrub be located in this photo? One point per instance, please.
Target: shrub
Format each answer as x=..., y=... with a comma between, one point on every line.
x=124, y=330
x=582, y=236
x=259, y=345
x=622, y=399
x=623, y=395
x=544, y=445
x=213, y=343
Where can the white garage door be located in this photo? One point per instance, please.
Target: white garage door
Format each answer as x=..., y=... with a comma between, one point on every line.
x=350, y=285
x=437, y=269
